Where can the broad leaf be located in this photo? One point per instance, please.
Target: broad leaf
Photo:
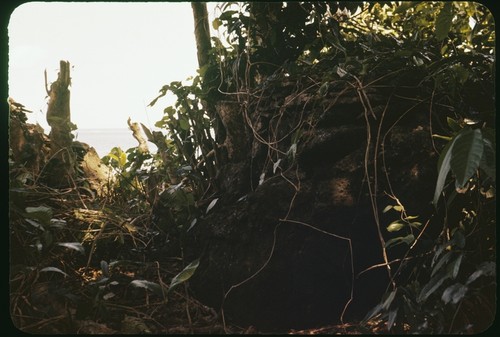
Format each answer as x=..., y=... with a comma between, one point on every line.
x=40, y=213
x=488, y=160
x=155, y=288
x=184, y=275
x=402, y=239
x=395, y=226
x=443, y=169
x=454, y=293
x=466, y=155
x=443, y=21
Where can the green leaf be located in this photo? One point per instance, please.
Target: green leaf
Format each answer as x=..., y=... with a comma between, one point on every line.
x=41, y=213
x=387, y=208
x=184, y=275
x=401, y=239
x=395, y=226
x=488, y=160
x=398, y=208
x=73, y=245
x=443, y=168
x=466, y=155
x=184, y=123
x=155, y=288
x=443, y=21
x=216, y=23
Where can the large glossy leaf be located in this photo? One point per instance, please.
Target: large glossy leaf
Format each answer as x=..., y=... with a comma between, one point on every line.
x=443, y=21
x=184, y=275
x=466, y=155
x=443, y=169
x=488, y=160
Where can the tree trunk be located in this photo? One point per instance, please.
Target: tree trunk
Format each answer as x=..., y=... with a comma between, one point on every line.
x=61, y=168
x=201, y=32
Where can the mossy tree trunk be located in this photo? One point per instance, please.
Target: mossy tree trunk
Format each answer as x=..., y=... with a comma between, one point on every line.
x=61, y=167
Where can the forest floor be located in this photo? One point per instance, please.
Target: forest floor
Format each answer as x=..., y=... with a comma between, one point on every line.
x=101, y=268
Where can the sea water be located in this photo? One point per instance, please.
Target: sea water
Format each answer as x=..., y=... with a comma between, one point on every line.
x=103, y=140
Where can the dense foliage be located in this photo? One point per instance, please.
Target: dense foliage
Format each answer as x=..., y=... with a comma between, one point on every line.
x=438, y=55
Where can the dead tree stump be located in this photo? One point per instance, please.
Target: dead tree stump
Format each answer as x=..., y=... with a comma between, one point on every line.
x=60, y=170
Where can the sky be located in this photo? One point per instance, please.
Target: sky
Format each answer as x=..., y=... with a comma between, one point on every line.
x=121, y=54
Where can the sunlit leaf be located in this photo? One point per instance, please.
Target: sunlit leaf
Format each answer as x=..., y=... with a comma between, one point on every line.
x=387, y=208
x=216, y=23
x=398, y=208
x=73, y=245
x=53, y=269
x=395, y=226
x=184, y=275
x=443, y=21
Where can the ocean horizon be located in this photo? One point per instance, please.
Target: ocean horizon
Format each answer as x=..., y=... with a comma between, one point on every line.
x=103, y=140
